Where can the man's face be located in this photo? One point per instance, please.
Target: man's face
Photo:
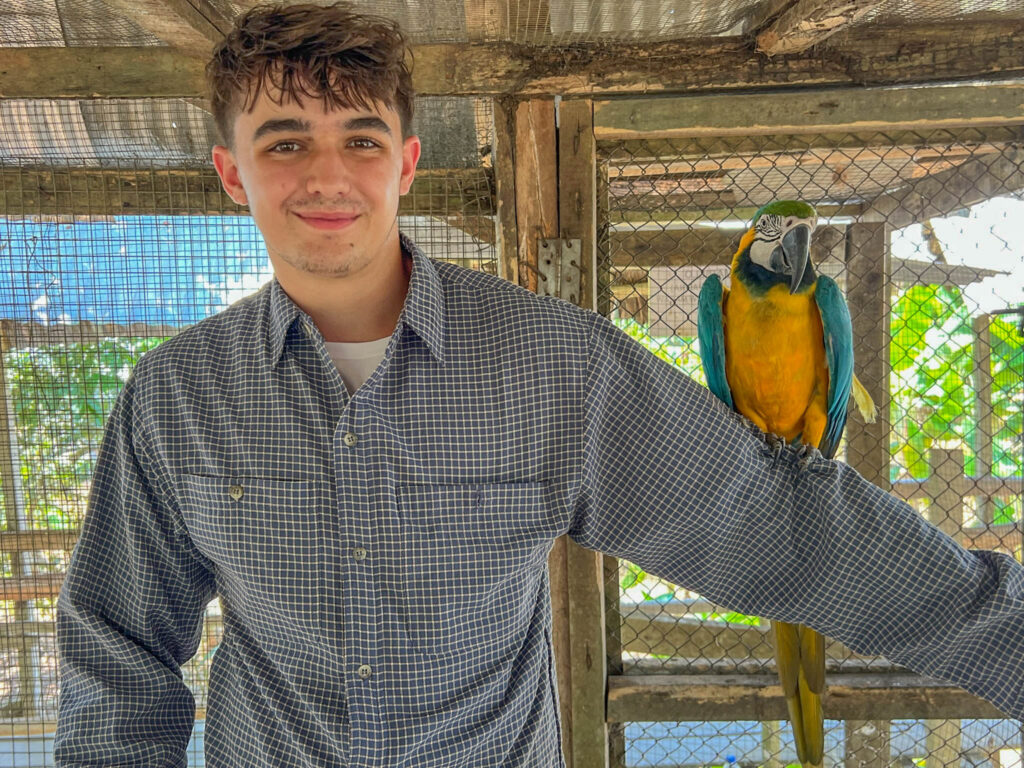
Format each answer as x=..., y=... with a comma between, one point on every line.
x=322, y=186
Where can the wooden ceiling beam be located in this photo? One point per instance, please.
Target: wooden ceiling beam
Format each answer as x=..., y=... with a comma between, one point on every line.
x=190, y=26
x=812, y=111
x=908, y=54
x=806, y=23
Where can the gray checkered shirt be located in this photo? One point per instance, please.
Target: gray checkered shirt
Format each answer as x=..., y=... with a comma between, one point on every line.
x=381, y=559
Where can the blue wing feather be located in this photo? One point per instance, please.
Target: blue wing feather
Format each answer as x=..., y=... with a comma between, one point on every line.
x=711, y=334
x=838, y=338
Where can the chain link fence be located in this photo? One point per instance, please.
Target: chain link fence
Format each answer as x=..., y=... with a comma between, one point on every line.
x=921, y=230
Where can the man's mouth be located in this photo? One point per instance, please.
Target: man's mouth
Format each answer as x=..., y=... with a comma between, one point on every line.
x=327, y=220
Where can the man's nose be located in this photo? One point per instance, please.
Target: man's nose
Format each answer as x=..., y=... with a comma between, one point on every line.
x=328, y=173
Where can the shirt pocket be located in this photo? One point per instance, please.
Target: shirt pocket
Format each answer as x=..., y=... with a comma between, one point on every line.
x=474, y=558
x=265, y=538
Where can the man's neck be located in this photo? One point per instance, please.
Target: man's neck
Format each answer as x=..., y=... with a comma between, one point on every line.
x=362, y=307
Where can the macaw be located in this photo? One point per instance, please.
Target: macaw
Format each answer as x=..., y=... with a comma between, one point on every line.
x=777, y=346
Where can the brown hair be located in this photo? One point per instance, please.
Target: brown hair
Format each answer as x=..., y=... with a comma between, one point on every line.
x=347, y=59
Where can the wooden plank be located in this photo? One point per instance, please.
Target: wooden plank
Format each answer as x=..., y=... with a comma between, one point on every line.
x=19, y=588
x=868, y=290
x=866, y=744
x=942, y=193
x=577, y=178
x=759, y=697
x=984, y=425
x=486, y=19
x=166, y=192
x=505, y=189
x=536, y=183
x=906, y=54
x=701, y=246
x=577, y=190
x=561, y=641
x=99, y=72
x=861, y=109
x=946, y=507
x=32, y=540
x=808, y=22
x=588, y=656
x=192, y=26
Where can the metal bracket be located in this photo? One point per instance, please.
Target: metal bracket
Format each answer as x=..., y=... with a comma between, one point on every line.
x=558, y=263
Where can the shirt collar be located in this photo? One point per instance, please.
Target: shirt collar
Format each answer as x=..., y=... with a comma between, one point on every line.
x=423, y=311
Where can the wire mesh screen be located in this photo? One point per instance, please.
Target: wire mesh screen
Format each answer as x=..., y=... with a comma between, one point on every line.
x=114, y=237
x=919, y=230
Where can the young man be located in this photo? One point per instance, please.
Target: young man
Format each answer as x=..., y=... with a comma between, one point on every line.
x=378, y=532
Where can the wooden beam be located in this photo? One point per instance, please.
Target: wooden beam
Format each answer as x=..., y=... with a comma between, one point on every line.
x=505, y=188
x=808, y=22
x=759, y=697
x=166, y=192
x=700, y=247
x=868, y=288
x=191, y=26
x=906, y=54
x=577, y=179
x=536, y=184
x=99, y=72
x=577, y=193
x=861, y=109
x=942, y=193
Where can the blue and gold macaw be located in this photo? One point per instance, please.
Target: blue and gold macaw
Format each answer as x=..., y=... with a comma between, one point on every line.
x=777, y=346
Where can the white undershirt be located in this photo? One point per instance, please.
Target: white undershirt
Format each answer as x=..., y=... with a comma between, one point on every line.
x=356, y=360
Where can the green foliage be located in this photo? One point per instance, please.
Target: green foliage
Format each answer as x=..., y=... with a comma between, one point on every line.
x=61, y=397
x=933, y=393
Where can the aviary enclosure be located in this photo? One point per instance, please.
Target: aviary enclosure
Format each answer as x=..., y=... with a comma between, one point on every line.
x=609, y=153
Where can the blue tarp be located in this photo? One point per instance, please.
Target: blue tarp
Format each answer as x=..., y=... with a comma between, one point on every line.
x=172, y=270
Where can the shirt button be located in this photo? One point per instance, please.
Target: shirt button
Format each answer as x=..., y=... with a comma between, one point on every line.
x=236, y=492
x=359, y=553
x=350, y=439
x=365, y=671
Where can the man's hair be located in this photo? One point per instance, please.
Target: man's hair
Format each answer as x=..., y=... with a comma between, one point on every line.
x=345, y=58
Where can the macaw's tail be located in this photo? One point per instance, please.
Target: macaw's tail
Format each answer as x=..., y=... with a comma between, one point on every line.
x=865, y=404
x=800, y=657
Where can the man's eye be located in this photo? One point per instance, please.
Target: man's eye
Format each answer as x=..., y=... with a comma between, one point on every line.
x=285, y=147
x=364, y=143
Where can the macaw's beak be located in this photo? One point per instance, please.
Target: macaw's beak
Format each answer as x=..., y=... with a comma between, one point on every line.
x=796, y=248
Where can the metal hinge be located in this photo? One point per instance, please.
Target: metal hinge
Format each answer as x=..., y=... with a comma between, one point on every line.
x=558, y=263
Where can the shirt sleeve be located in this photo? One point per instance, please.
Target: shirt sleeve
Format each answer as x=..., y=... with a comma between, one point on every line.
x=129, y=613
x=677, y=483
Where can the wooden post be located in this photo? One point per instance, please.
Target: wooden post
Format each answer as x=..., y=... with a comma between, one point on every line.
x=536, y=182
x=867, y=294
x=585, y=568
x=981, y=376
x=771, y=744
x=17, y=521
x=505, y=189
x=942, y=744
x=867, y=745
x=945, y=510
x=945, y=504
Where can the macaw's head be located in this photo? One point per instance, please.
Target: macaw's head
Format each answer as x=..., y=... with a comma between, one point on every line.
x=781, y=242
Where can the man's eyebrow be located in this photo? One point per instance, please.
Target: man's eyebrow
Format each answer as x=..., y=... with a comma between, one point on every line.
x=367, y=123
x=283, y=124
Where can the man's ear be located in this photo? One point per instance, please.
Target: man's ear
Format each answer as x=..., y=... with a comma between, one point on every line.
x=410, y=156
x=227, y=169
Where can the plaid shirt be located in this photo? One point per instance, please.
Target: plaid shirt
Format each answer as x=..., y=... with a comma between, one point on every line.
x=381, y=559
